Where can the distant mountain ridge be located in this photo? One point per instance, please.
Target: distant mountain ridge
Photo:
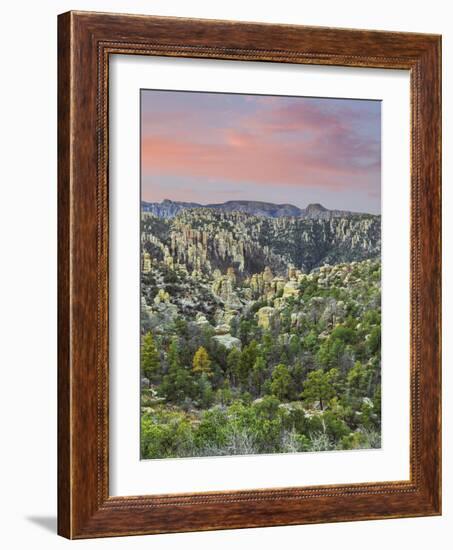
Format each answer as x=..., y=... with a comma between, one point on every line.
x=169, y=209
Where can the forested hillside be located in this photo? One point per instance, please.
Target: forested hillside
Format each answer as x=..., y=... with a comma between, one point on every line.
x=259, y=334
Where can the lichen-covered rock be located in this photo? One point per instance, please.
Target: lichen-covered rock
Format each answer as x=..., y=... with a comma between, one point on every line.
x=224, y=289
x=267, y=275
x=227, y=341
x=291, y=289
x=278, y=284
x=265, y=316
x=162, y=296
x=222, y=329
x=200, y=319
x=231, y=275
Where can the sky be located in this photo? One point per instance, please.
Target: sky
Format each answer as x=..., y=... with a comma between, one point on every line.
x=214, y=147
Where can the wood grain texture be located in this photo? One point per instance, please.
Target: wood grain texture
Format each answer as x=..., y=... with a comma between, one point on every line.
x=86, y=40
x=64, y=366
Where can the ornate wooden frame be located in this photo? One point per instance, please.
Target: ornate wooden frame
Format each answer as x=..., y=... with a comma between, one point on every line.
x=85, y=42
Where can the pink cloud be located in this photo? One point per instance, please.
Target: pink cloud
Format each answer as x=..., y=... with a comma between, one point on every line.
x=245, y=159
x=291, y=143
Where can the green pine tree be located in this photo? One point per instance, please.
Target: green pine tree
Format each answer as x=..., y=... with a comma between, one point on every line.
x=177, y=383
x=233, y=364
x=320, y=386
x=281, y=381
x=150, y=360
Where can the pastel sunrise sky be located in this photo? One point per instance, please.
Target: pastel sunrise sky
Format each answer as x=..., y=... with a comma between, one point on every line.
x=211, y=148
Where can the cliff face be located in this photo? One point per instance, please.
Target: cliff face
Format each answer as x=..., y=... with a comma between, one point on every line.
x=206, y=239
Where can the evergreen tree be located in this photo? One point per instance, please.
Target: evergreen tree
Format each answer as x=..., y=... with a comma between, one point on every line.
x=377, y=398
x=330, y=352
x=298, y=375
x=224, y=395
x=150, y=360
x=244, y=330
x=176, y=384
x=268, y=347
x=181, y=327
x=374, y=340
x=294, y=346
x=201, y=363
x=233, y=359
x=310, y=342
x=246, y=362
x=320, y=386
x=259, y=370
x=343, y=333
x=358, y=379
x=205, y=392
x=281, y=381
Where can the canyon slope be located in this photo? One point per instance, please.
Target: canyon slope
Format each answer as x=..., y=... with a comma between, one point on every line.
x=205, y=239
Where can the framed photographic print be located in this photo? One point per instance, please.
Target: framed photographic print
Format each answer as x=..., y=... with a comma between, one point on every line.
x=249, y=275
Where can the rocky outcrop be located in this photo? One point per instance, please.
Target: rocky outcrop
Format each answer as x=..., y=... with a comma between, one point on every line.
x=265, y=316
x=201, y=320
x=241, y=246
x=214, y=267
x=227, y=341
x=222, y=329
x=291, y=288
x=223, y=287
x=162, y=297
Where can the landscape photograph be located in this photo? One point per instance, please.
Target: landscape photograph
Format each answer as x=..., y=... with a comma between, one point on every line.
x=260, y=274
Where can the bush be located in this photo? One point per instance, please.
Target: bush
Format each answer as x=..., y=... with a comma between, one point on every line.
x=168, y=435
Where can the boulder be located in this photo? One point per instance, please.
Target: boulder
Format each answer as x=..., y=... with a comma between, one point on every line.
x=222, y=329
x=228, y=341
x=200, y=319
